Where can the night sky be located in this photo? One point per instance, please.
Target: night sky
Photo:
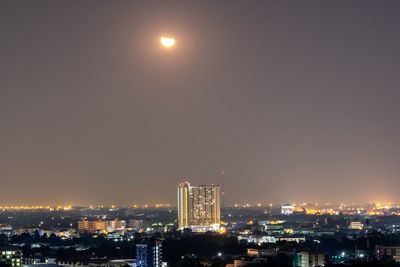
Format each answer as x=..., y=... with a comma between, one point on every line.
x=293, y=101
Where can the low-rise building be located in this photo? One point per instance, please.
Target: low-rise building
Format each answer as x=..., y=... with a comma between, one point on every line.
x=257, y=252
x=11, y=256
x=309, y=259
x=92, y=226
x=297, y=239
x=391, y=252
x=257, y=239
x=136, y=224
x=287, y=209
x=356, y=226
x=245, y=261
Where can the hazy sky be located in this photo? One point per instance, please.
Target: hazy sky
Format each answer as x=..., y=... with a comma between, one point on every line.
x=294, y=101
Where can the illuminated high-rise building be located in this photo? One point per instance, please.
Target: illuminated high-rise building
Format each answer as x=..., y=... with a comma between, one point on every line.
x=149, y=254
x=199, y=207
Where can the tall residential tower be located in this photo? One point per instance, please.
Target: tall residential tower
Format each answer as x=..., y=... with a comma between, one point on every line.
x=199, y=207
x=149, y=254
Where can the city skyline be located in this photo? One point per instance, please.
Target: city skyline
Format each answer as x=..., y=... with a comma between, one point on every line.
x=275, y=101
x=175, y=204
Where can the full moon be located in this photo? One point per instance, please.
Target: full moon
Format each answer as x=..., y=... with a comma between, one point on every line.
x=167, y=41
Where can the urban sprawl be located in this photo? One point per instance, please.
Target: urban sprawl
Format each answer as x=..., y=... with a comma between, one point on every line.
x=197, y=231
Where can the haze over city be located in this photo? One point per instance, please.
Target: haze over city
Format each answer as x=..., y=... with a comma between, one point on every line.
x=275, y=101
